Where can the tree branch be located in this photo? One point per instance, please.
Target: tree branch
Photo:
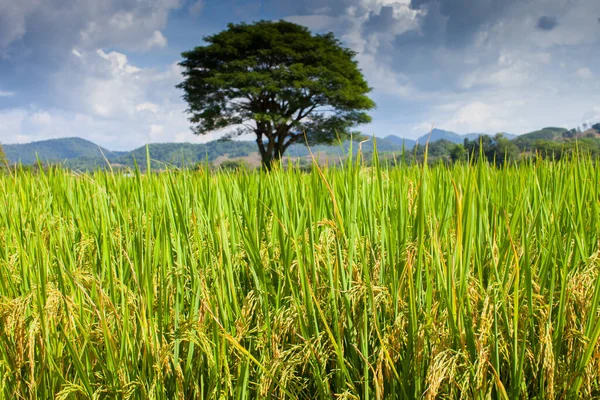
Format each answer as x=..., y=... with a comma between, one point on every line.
x=293, y=139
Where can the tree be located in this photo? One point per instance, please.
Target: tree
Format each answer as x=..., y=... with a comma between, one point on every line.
x=234, y=165
x=482, y=146
x=503, y=150
x=3, y=159
x=458, y=153
x=569, y=134
x=278, y=81
x=596, y=127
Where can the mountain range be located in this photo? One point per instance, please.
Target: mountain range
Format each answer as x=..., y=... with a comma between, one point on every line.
x=439, y=134
x=82, y=154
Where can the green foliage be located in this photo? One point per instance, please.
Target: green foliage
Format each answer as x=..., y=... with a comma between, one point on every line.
x=570, y=134
x=458, y=153
x=479, y=147
x=567, y=149
x=498, y=150
x=439, y=149
x=186, y=154
x=503, y=150
x=3, y=159
x=525, y=142
x=233, y=165
x=277, y=80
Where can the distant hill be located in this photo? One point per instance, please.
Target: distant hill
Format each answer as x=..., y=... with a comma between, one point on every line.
x=56, y=150
x=551, y=134
x=440, y=134
x=179, y=154
x=399, y=141
x=82, y=154
x=544, y=133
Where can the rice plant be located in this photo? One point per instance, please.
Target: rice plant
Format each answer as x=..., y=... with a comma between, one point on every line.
x=464, y=281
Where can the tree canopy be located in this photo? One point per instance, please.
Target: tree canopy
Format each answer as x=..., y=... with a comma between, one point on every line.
x=278, y=81
x=498, y=150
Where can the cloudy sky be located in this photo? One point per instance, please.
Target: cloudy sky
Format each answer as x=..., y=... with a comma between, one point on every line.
x=105, y=70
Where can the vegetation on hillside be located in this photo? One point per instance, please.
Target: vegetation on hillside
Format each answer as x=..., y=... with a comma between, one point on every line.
x=553, y=143
x=56, y=150
x=3, y=159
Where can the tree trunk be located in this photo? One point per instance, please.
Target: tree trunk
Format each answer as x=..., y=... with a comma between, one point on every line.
x=270, y=159
x=271, y=152
x=266, y=162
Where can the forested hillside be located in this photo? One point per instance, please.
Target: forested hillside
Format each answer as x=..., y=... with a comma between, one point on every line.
x=444, y=146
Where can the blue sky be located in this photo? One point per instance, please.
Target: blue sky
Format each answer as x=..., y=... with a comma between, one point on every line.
x=106, y=70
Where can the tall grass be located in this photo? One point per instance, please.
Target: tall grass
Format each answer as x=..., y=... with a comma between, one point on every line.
x=353, y=282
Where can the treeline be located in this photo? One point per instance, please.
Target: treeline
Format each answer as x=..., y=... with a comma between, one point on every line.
x=498, y=150
x=548, y=143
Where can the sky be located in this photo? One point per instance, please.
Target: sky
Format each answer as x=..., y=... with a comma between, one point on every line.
x=106, y=70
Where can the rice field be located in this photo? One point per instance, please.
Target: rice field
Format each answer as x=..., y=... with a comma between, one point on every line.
x=410, y=282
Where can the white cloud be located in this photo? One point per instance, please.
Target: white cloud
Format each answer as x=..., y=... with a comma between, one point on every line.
x=543, y=57
x=502, y=111
x=4, y=93
x=41, y=119
x=157, y=132
x=584, y=73
x=55, y=24
x=138, y=27
x=422, y=127
x=119, y=133
x=12, y=20
x=109, y=101
x=197, y=7
x=157, y=40
x=592, y=116
x=512, y=70
x=147, y=106
x=384, y=80
x=121, y=20
x=11, y=126
x=118, y=62
x=477, y=117
x=497, y=73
